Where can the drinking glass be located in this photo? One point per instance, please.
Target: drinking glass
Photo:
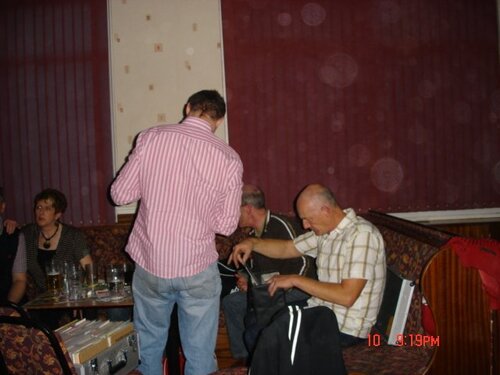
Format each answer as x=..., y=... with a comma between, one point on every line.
x=115, y=279
x=53, y=276
x=91, y=276
x=128, y=270
x=73, y=279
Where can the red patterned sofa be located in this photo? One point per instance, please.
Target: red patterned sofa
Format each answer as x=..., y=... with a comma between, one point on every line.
x=409, y=247
x=107, y=243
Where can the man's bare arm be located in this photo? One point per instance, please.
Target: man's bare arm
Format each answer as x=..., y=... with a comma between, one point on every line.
x=344, y=293
x=269, y=247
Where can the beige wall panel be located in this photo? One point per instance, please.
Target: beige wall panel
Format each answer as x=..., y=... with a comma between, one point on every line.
x=161, y=52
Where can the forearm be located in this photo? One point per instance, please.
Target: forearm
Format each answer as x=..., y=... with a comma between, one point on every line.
x=124, y=191
x=345, y=293
x=125, y=188
x=228, y=212
x=272, y=248
x=17, y=291
x=279, y=249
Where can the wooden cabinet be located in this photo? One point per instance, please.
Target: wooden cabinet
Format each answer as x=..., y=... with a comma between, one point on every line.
x=462, y=316
x=469, y=331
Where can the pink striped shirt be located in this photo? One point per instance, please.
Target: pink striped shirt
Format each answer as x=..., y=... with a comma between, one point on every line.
x=189, y=185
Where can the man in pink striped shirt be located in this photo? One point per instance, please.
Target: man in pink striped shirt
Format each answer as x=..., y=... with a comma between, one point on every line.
x=188, y=183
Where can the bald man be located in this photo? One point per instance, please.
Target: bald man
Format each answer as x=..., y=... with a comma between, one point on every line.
x=350, y=258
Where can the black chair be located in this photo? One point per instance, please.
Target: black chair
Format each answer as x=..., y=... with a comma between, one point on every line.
x=26, y=344
x=7, y=308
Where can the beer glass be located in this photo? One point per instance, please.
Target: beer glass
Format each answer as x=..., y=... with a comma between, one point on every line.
x=115, y=279
x=91, y=278
x=91, y=274
x=53, y=276
x=128, y=270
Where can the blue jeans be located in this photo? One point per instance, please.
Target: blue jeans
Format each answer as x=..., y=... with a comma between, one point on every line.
x=197, y=299
x=235, y=309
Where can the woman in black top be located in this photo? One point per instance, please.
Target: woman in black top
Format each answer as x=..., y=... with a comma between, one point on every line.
x=48, y=238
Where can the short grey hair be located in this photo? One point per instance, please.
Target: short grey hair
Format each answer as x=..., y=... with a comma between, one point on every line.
x=253, y=196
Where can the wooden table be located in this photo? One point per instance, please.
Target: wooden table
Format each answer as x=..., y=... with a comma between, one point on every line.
x=47, y=301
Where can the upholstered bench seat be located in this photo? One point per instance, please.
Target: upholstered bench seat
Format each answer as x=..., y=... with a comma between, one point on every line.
x=408, y=247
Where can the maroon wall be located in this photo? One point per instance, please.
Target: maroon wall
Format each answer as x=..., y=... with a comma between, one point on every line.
x=55, y=127
x=393, y=104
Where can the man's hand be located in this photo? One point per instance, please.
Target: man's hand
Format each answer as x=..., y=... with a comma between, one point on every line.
x=10, y=226
x=241, y=252
x=241, y=282
x=281, y=282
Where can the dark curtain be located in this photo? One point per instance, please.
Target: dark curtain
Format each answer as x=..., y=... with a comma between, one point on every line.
x=55, y=127
x=393, y=104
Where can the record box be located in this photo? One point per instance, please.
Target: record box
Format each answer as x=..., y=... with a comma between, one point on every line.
x=103, y=348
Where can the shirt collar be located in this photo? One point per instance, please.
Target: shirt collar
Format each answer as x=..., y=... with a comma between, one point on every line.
x=268, y=217
x=346, y=222
x=197, y=122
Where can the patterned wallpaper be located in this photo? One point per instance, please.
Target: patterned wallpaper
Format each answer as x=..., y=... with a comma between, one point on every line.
x=161, y=52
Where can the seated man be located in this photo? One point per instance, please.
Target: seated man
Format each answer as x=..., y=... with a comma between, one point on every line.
x=13, y=277
x=350, y=257
x=264, y=224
